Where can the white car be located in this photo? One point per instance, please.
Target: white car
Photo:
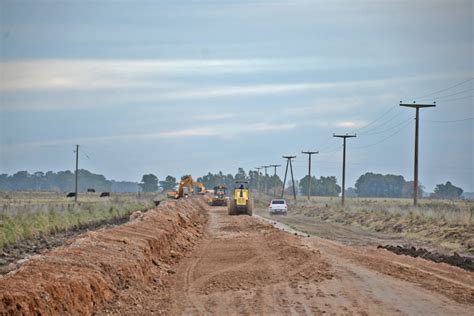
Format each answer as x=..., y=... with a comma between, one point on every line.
x=278, y=206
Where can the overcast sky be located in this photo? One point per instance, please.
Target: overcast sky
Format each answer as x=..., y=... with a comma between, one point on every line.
x=178, y=87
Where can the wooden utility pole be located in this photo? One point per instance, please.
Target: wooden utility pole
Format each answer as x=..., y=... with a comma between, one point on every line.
x=344, y=137
x=274, y=179
x=77, y=166
x=266, y=178
x=288, y=163
x=309, y=153
x=258, y=176
x=417, y=127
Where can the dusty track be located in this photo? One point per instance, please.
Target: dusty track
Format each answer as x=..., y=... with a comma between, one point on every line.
x=187, y=258
x=245, y=267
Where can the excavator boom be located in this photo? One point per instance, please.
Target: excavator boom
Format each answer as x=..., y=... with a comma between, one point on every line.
x=189, y=183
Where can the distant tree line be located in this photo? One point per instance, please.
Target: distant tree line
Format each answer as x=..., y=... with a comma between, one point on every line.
x=324, y=186
x=258, y=181
x=367, y=185
x=63, y=181
x=395, y=186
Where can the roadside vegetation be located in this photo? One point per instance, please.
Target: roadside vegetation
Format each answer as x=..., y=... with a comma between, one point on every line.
x=25, y=215
x=447, y=223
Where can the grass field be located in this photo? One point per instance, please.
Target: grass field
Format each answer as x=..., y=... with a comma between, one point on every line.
x=27, y=214
x=447, y=223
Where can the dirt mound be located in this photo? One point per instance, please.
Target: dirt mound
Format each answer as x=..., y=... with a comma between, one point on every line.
x=99, y=266
x=454, y=260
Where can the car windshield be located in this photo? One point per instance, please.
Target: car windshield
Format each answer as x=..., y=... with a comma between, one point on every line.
x=278, y=202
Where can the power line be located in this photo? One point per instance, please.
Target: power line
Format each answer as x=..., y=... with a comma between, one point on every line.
x=442, y=90
x=377, y=119
x=388, y=129
x=461, y=98
x=384, y=139
x=453, y=94
x=450, y=121
x=382, y=124
x=327, y=144
x=332, y=150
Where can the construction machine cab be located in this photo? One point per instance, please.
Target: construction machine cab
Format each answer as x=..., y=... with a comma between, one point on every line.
x=220, y=196
x=240, y=201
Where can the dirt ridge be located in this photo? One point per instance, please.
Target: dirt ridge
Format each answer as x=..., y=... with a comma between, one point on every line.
x=96, y=267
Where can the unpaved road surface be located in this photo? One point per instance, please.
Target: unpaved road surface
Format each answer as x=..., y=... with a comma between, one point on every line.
x=186, y=258
x=245, y=267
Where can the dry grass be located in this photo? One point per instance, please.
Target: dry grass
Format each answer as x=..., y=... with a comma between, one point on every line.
x=448, y=223
x=452, y=212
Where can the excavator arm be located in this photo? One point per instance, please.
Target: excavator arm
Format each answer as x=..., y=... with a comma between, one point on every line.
x=187, y=182
x=202, y=188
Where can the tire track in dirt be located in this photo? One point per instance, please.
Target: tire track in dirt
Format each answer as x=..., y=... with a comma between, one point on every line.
x=429, y=287
x=246, y=267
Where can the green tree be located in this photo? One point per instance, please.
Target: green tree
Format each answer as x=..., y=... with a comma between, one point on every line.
x=407, y=191
x=304, y=185
x=149, y=183
x=275, y=184
x=169, y=184
x=241, y=175
x=447, y=191
x=379, y=185
x=327, y=186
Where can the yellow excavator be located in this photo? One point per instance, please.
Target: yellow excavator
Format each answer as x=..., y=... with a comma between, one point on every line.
x=189, y=183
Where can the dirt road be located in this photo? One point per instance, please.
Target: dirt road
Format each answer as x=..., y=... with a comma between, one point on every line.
x=186, y=258
x=245, y=267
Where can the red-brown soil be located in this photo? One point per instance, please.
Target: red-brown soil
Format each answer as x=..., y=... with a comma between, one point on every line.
x=186, y=257
x=99, y=267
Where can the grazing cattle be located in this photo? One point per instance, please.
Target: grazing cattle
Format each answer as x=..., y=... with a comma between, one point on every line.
x=71, y=194
x=104, y=194
x=91, y=190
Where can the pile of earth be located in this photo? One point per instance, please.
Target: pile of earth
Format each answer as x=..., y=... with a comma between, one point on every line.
x=99, y=266
x=455, y=259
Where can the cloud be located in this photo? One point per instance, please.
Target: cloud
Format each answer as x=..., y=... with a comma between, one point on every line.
x=96, y=74
x=212, y=117
x=221, y=131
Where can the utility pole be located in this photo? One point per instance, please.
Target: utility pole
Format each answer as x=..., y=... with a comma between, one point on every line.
x=417, y=127
x=266, y=176
x=344, y=163
x=309, y=153
x=288, y=163
x=258, y=176
x=274, y=174
x=77, y=165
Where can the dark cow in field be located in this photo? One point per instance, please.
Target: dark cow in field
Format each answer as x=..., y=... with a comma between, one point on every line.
x=91, y=190
x=104, y=194
x=71, y=194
